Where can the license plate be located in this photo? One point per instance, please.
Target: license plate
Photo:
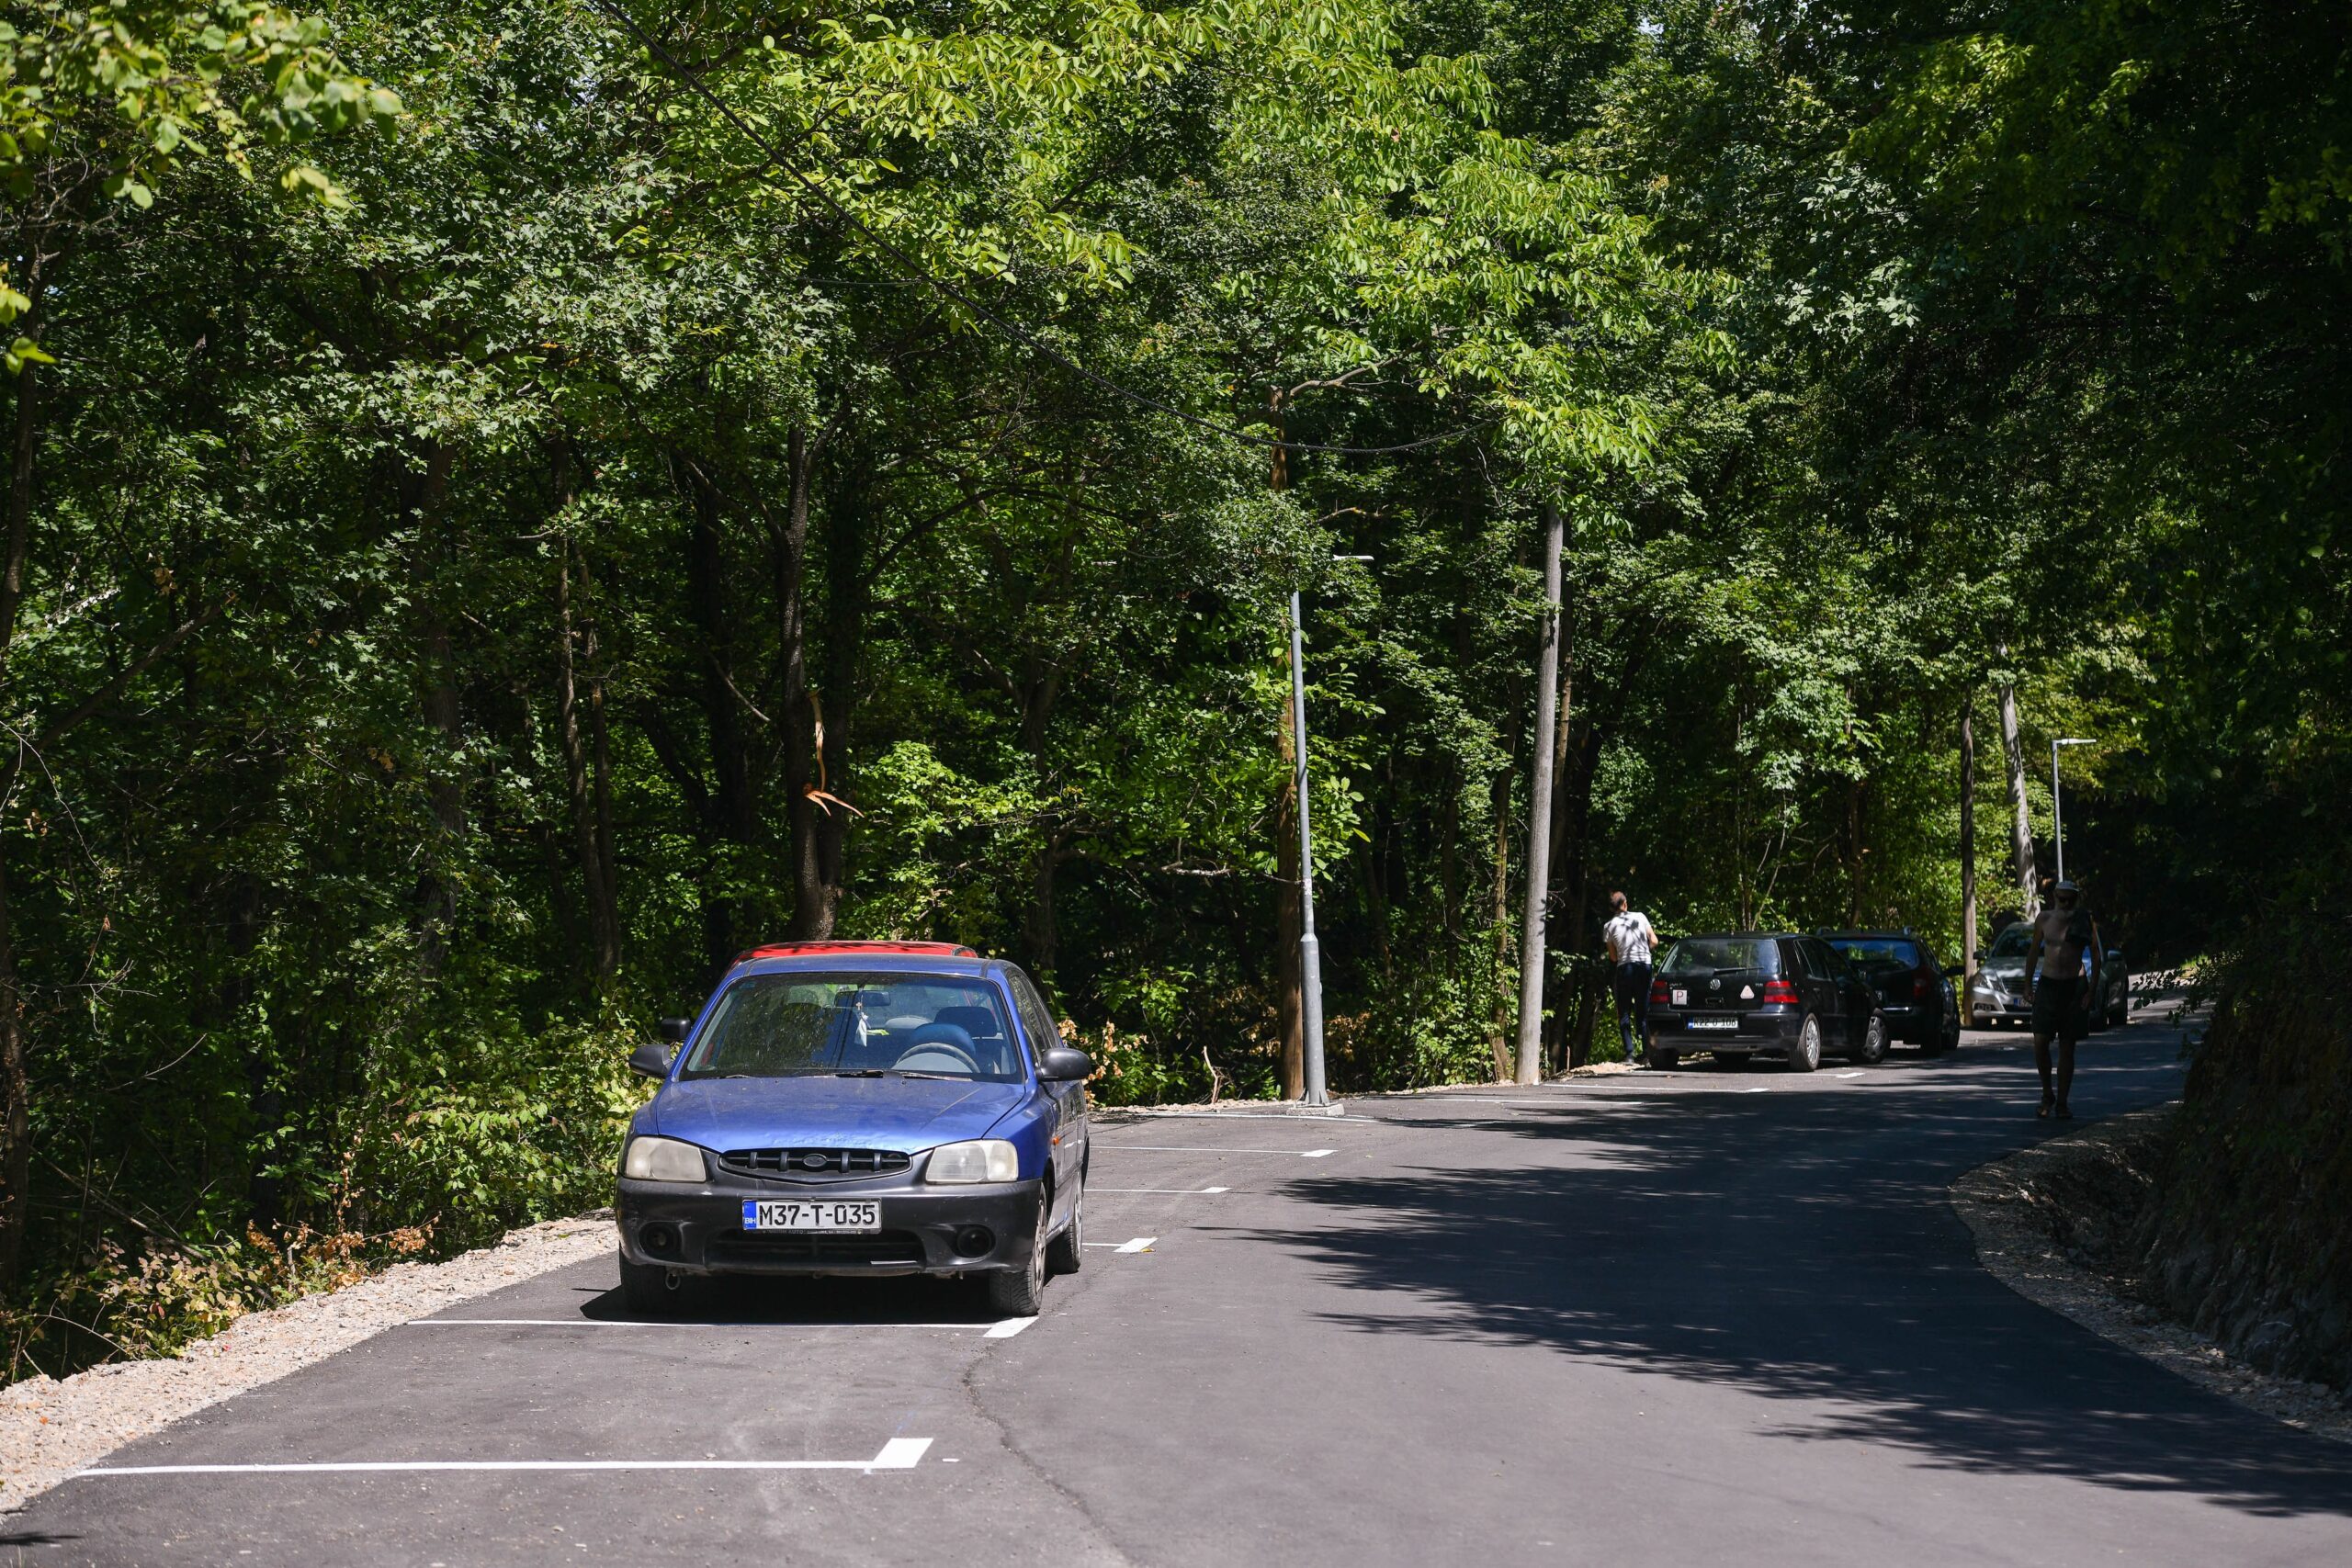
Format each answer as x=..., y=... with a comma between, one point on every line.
x=1714, y=1023
x=788, y=1214
x=1681, y=998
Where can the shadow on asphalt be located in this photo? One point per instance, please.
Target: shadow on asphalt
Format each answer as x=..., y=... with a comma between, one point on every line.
x=1801, y=1247
x=787, y=1300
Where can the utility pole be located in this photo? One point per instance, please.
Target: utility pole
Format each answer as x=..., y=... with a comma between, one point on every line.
x=1967, y=854
x=1539, y=810
x=1310, y=954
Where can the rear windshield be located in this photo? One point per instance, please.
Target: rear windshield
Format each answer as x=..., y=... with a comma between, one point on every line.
x=866, y=1025
x=1723, y=955
x=1880, y=952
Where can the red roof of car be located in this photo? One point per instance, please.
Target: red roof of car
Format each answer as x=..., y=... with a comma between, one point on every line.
x=802, y=949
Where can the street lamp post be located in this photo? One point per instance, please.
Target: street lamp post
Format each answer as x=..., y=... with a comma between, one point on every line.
x=2057, y=811
x=1310, y=951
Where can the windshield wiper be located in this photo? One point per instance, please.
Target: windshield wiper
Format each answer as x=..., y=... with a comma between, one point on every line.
x=859, y=1072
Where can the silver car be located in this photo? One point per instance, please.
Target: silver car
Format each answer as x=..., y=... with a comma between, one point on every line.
x=2001, y=996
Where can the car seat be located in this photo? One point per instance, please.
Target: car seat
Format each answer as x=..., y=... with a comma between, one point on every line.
x=989, y=1047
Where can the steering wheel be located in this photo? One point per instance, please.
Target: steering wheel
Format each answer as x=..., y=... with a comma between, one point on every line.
x=935, y=1044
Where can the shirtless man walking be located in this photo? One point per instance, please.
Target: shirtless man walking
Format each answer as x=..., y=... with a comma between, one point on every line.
x=2065, y=936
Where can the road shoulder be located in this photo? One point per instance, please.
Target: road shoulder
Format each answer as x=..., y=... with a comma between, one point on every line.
x=51, y=1427
x=2016, y=1207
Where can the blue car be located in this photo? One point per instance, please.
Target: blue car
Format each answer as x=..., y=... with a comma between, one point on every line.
x=858, y=1108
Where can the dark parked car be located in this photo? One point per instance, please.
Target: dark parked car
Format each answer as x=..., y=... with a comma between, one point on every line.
x=1746, y=994
x=1914, y=991
x=2000, y=997
x=859, y=1108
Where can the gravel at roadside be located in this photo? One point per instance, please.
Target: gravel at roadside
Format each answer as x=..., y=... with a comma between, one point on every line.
x=50, y=1428
x=2005, y=1205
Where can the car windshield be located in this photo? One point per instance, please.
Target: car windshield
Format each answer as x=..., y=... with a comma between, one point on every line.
x=800, y=1024
x=2012, y=942
x=1880, y=952
x=1723, y=955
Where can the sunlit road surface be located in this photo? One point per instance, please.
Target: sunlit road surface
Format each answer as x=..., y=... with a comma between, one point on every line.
x=1707, y=1316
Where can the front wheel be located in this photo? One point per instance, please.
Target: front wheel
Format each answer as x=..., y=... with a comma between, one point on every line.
x=1945, y=1038
x=1067, y=1250
x=1019, y=1293
x=1804, y=1054
x=649, y=1289
x=1873, y=1047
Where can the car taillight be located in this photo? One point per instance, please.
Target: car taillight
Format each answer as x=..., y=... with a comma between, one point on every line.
x=1923, y=983
x=1658, y=995
x=1783, y=991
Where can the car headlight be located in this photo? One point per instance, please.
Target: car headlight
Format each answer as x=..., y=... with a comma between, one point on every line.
x=663, y=1159
x=983, y=1159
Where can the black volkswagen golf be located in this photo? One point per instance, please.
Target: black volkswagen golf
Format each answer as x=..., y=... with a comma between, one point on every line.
x=1746, y=994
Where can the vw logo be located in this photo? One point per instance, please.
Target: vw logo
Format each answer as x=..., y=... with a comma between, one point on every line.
x=814, y=1162
x=1714, y=985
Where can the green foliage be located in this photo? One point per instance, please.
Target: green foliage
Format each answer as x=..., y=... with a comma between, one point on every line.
x=461, y=614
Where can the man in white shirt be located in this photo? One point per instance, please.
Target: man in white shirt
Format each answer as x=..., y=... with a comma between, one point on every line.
x=1629, y=938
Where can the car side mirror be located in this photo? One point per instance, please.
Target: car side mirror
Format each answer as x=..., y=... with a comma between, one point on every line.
x=1061, y=1064
x=651, y=1059
x=673, y=1030
x=1953, y=971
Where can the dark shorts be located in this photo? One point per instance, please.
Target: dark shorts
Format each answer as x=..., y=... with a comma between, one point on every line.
x=2058, y=1008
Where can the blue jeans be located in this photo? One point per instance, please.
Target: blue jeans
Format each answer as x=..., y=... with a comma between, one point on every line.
x=1633, y=988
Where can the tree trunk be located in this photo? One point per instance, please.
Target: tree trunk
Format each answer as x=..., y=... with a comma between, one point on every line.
x=444, y=789
x=2021, y=824
x=828, y=816
x=1040, y=933
x=1539, y=810
x=1967, y=855
x=1498, y=1032
x=1564, y=918
x=604, y=919
x=801, y=724
x=733, y=823
x=16, y=1087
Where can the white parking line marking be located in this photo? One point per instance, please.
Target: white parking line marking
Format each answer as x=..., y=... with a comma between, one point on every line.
x=899, y=1454
x=1140, y=1244
x=1850, y=1075
x=1756, y=1092
x=1251, y=1116
x=1162, y=1191
x=1194, y=1149
x=648, y=1323
x=1006, y=1330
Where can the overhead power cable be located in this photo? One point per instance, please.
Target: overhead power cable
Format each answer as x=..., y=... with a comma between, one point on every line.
x=923, y=274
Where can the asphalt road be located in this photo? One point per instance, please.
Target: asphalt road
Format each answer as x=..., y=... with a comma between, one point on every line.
x=1709, y=1316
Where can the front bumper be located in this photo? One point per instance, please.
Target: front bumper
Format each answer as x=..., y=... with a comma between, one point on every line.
x=1764, y=1029
x=698, y=1228
x=1996, y=1006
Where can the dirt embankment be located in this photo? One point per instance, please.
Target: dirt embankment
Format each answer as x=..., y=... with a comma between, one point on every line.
x=2075, y=1223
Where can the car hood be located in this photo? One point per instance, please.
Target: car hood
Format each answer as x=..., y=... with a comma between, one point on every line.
x=911, y=1114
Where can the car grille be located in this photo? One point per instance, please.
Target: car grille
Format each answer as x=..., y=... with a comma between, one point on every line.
x=746, y=1249
x=815, y=1165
